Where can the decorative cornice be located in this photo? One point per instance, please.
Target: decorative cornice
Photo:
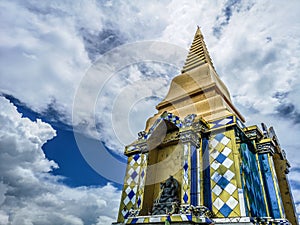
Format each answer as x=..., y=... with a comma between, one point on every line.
x=190, y=136
x=136, y=148
x=253, y=133
x=265, y=147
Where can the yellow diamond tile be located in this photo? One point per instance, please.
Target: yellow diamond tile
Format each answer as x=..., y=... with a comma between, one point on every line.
x=222, y=169
x=213, y=196
x=219, y=147
x=235, y=212
x=224, y=196
x=129, y=205
x=176, y=219
x=219, y=215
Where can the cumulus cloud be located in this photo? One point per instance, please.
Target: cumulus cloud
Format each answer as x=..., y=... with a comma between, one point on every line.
x=28, y=193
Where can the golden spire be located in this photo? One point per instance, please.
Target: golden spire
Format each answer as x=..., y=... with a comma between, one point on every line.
x=198, y=54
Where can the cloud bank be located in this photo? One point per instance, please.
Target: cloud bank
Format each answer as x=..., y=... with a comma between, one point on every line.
x=29, y=194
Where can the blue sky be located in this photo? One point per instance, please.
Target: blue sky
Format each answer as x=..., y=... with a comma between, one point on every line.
x=49, y=49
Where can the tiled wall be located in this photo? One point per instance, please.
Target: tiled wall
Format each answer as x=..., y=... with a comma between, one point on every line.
x=253, y=187
x=134, y=182
x=225, y=198
x=271, y=186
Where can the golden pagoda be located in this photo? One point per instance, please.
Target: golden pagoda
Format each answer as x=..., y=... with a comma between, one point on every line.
x=197, y=163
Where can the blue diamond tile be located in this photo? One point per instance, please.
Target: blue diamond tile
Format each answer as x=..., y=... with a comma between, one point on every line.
x=126, y=215
x=131, y=194
x=219, y=137
x=189, y=217
x=223, y=182
x=207, y=220
x=142, y=174
x=139, y=202
x=221, y=158
x=185, y=167
x=185, y=197
x=225, y=210
x=136, y=157
x=134, y=174
x=133, y=221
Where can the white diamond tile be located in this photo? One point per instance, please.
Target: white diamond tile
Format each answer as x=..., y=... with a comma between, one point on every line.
x=138, y=169
x=228, y=175
x=140, y=220
x=227, y=162
x=186, y=176
x=226, y=151
x=124, y=212
x=128, y=189
x=130, y=171
x=225, y=121
x=184, y=217
x=218, y=203
x=186, y=149
x=131, y=162
x=154, y=219
x=230, y=188
x=139, y=160
x=214, y=143
x=215, y=154
x=136, y=179
x=225, y=140
x=215, y=165
x=133, y=199
x=232, y=202
x=129, y=180
x=217, y=190
x=126, y=200
x=216, y=177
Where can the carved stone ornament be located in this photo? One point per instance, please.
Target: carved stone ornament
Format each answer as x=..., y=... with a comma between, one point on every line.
x=189, y=119
x=141, y=135
x=134, y=212
x=196, y=211
x=265, y=148
x=190, y=136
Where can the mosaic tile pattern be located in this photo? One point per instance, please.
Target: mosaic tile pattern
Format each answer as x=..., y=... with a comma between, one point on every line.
x=142, y=181
x=272, y=192
x=225, y=197
x=221, y=122
x=165, y=116
x=185, y=178
x=194, y=176
x=207, y=196
x=133, y=190
x=252, y=183
x=172, y=218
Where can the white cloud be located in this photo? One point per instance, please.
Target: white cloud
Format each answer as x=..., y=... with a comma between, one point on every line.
x=45, y=57
x=30, y=195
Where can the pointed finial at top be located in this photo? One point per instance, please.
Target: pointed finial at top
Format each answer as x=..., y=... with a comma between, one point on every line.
x=198, y=31
x=198, y=54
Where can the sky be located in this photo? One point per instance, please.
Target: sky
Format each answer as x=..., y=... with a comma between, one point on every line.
x=78, y=80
